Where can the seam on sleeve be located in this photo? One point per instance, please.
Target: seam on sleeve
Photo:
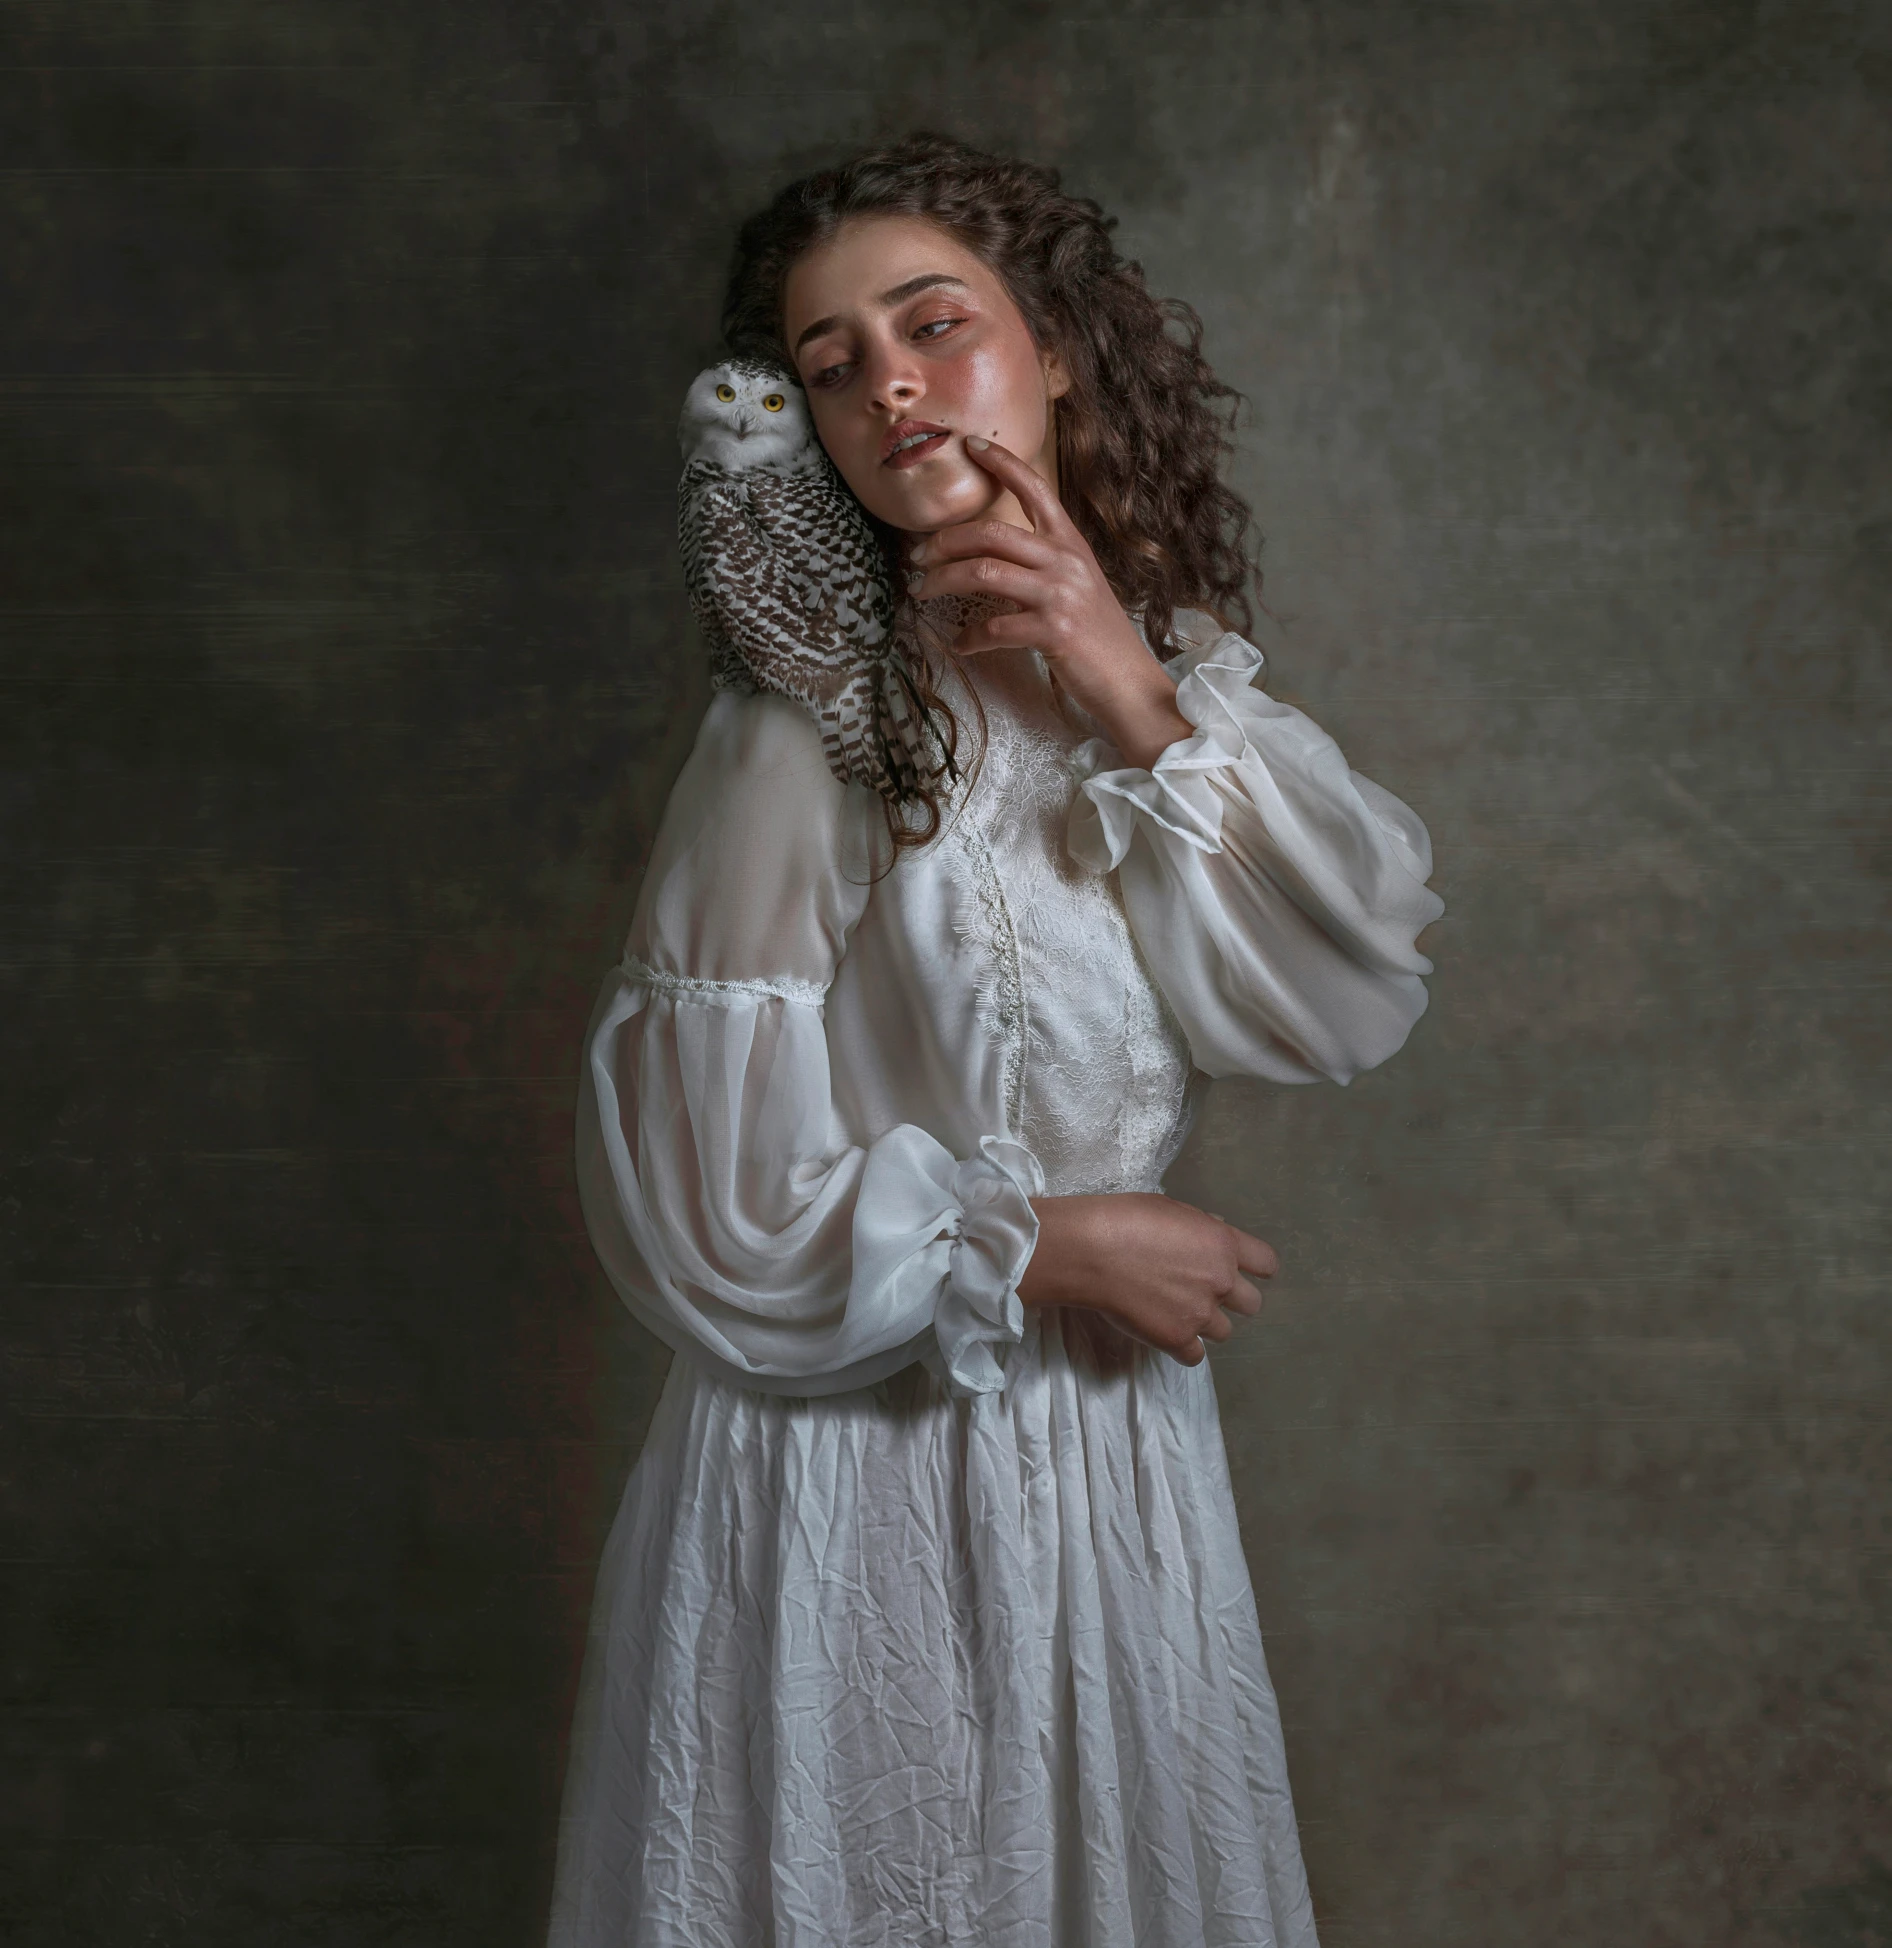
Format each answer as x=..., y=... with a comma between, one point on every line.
x=809, y=993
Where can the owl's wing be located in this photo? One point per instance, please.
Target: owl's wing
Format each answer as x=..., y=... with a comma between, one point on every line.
x=773, y=617
x=791, y=588
x=823, y=536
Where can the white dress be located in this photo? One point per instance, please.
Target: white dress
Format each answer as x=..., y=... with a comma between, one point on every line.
x=925, y=1618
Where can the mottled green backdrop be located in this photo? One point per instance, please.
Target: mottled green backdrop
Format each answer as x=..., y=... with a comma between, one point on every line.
x=343, y=671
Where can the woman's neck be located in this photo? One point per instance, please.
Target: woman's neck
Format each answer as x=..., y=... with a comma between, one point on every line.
x=1019, y=679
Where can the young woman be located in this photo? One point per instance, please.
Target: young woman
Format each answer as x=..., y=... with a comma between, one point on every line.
x=925, y=1619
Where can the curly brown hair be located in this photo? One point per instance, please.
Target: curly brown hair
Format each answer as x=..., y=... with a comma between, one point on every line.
x=1146, y=425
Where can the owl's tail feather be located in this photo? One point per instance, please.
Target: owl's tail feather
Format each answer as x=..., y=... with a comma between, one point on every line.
x=877, y=731
x=928, y=738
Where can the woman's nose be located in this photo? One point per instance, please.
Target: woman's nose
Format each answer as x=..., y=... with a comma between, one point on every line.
x=892, y=379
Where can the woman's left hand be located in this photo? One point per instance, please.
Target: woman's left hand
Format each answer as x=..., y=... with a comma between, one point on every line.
x=1066, y=608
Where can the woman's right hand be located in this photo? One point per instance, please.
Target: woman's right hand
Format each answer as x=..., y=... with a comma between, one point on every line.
x=1167, y=1273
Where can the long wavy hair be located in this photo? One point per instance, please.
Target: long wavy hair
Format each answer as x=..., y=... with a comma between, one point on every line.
x=1145, y=427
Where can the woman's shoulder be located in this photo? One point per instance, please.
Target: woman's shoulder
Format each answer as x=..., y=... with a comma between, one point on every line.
x=763, y=858
x=750, y=739
x=756, y=786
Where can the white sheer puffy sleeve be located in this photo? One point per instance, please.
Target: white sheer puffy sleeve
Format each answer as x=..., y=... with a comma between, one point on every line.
x=1276, y=893
x=731, y=1210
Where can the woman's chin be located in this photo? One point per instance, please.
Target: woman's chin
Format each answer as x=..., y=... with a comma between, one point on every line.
x=927, y=510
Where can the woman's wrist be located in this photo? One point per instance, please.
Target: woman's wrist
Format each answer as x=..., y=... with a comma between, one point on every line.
x=1150, y=724
x=1131, y=696
x=1045, y=1275
x=1067, y=1264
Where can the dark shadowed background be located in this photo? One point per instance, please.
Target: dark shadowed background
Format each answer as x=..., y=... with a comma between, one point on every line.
x=345, y=669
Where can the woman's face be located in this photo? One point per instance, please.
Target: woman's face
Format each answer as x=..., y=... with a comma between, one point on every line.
x=897, y=329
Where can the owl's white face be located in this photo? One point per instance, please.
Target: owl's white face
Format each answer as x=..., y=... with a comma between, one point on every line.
x=745, y=416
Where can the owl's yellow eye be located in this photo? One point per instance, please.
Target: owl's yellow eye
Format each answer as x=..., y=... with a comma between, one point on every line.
x=774, y=403
x=725, y=393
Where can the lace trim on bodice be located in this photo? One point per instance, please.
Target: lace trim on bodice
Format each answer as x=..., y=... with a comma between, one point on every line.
x=999, y=981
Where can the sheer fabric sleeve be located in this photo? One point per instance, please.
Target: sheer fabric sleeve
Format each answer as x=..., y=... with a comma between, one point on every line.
x=1275, y=892
x=733, y=1213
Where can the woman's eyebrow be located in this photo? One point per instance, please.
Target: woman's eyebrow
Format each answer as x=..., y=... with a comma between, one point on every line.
x=925, y=281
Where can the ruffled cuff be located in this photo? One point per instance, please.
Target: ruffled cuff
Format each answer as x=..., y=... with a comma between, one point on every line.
x=980, y=1313
x=1175, y=794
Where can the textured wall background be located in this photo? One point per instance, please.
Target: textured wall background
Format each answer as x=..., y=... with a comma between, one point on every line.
x=345, y=671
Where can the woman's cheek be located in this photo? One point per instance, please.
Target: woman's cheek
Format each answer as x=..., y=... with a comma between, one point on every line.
x=998, y=396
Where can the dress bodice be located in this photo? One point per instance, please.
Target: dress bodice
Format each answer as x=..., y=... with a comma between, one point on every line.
x=1098, y=1078
x=824, y=1085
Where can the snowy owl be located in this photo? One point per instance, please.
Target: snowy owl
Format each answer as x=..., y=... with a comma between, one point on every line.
x=788, y=581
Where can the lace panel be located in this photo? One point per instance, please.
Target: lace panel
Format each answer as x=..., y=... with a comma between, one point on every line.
x=1099, y=1080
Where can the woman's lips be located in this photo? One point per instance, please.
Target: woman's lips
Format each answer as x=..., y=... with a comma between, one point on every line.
x=909, y=456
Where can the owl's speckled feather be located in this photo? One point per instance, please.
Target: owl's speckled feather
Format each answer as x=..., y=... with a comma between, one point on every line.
x=788, y=581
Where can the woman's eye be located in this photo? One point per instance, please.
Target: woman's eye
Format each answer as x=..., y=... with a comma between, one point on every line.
x=827, y=376
x=774, y=403
x=725, y=393
x=936, y=325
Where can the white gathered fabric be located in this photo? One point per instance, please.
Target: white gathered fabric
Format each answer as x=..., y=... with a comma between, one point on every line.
x=1261, y=850
x=924, y=1619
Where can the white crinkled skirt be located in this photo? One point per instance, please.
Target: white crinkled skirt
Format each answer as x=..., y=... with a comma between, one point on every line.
x=895, y=1668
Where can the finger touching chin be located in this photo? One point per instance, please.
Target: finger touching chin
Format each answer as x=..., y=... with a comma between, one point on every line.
x=941, y=501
